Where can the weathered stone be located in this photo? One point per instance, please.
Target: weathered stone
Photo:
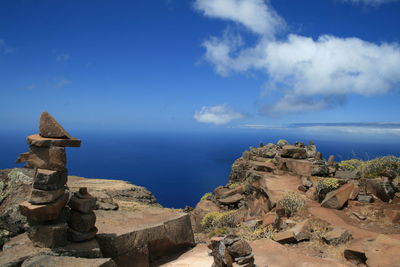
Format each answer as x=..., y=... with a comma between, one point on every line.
x=320, y=170
x=288, y=151
x=85, y=205
x=48, y=260
x=239, y=249
x=271, y=219
x=249, y=259
x=230, y=239
x=311, y=194
x=49, y=179
x=301, y=167
x=87, y=249
x=44, y=197
x=285, y=237
x=350, y=175
x=231, y=199
x=201, y=209
x=48, y=236
x=83, y=193
x=311, y=151
x=81, y=222
x=282, y=142
x=355, y=254
x=160, y=231
x=306, y=182
x=45, y=212
x=49, y=127
x=383, y=190
x=318, y=156
x=336, y=199
x=301, y=231
x=337, y=236
x=52, y=158
x=37, y=140
x=365, y=198
x=76, y=236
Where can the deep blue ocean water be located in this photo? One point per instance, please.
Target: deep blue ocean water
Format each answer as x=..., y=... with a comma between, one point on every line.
x=180, y=167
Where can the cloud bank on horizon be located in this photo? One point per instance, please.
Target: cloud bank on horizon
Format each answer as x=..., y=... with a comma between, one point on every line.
x=308, y=74
x=218, y=115
x=371, y=2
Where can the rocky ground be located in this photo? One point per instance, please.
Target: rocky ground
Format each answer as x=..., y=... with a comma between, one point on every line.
x=297, y=209
x=285, y=204
x=133, y=229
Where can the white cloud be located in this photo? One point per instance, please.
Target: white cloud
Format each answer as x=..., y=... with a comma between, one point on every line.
x=309, y=74
x=256, y=15
x=371, y=2
x=218, y=115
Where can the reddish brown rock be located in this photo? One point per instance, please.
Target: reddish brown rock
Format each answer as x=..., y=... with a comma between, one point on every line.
x=393, y=215
x=311, y=193
x=48, y=236
x=45, y=212
x=201, y=209
x=336, y=199
x=49, y=179
x=76, y=236
x=239, y=249
x=49, y=127
x=48, y=260
x=337, y=236
x=85, y=205
x=301, y=231
x=285, y=237
x=44, y=197
x=289, y=151
x=301, y=167
x=231, y=199
x=81, y=222
x=37, y=140
x=52, y=158
x=271, y=219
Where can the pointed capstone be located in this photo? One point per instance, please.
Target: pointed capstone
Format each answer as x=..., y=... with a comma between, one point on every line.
x=49, y=127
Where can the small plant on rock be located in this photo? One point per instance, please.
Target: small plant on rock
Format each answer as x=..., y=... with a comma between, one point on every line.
x=351, y=165
x=376, y=167
x=216, y=219
x=233, y=185
x=206, y=196
x=292, y=203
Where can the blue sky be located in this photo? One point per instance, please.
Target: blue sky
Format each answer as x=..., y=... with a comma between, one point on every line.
x=201, y=64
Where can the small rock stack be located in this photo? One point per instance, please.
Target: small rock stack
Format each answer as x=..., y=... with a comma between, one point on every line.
x=230, y=251
x=45, y=210
x=82, y=219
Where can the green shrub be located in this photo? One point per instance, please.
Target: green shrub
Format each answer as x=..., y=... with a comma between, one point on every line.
x=206, y=196
x=328, y=183
x=216, y=219
x=374, y=168
x=233, y=185
x=292, y=203
x=351, y=165
x=218, y=231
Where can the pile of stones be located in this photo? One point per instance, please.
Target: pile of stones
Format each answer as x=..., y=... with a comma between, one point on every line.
x=46, y=209
x=230, y=251
x=82, y=219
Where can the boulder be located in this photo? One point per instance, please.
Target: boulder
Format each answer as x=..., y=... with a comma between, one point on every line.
x=231, y=199
x=37, y=140
x=393, y=215
x=84, y=205
x=88, y=249
x=49, y=179
x=201, y=209
x=301, y=231
x=76, y=236
x=336, y=199
x=44, y=197
x=44, y=212
x=271, y=219
x=311, y=193
x=48, y=260
x=282, y=142
x=285, y=237
x=135, y=236
x=349, y=175
x=365, y=198
x=337, y=236
x=320, y=170
x=384, y=190
x=289, y=151
x=48, y=235
x=301, y=167
x=52, y=158
x=49, y=127
x=81, y=222
x=331, y=161
x=239, y=248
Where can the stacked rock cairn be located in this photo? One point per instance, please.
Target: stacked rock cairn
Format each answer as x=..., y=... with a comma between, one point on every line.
x=231, y=250
x=46, y=209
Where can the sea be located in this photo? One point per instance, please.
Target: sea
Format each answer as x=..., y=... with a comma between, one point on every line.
x=180, y=167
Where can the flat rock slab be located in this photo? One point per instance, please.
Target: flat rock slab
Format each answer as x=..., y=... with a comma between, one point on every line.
x=49, y=127
x=47, y=260
x=277, y=186
x=154, y=231
x=40, y=141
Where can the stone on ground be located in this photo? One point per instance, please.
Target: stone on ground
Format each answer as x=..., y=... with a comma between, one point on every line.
x=49, y=127
x=47, y=260
x=336, y=199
